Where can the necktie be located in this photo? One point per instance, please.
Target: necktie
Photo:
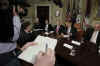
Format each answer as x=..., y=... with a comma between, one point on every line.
x=57, y=29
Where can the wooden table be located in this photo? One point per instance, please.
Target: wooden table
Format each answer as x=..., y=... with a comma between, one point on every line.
x=85, y=54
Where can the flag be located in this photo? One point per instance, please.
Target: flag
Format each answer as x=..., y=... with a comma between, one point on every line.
x=85, y=23
x=68, y=16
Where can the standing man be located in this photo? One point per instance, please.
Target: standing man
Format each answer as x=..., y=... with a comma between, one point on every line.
x=10, y=29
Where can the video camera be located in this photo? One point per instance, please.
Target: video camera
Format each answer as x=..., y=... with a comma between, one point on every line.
x=22, y=3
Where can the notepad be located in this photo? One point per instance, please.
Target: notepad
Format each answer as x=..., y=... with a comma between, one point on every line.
x=66, y=36
x=51, y=31
x=68, y=46
x=47, y=33
x=76, y=43
x=29, y=55
x=37, y=29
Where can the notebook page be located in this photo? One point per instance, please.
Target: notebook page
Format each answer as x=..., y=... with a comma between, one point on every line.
x=29, y=55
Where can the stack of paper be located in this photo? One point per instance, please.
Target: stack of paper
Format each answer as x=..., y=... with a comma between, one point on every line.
x=29, y=55
x=76, y=43
x=68, y=46
x=66, y=36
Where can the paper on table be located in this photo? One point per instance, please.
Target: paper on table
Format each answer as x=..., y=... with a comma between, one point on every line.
x=46, y=33
x=51, y=31
x=29, y=55
x=68, y=46
x=37, y=29
x=66, y=36
x=51, y=42
x=76, y=43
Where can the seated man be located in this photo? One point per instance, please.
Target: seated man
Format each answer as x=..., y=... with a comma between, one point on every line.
x=70, y=30
x=48, y=27
x=37, y=26
x=93, y=35
x=59, y=28
x=25, y=34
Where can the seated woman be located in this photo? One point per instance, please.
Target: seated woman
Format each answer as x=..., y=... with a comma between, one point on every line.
x=79, y=33
x=70, y=30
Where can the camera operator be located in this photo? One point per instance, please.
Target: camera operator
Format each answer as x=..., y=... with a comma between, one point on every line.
x=9, y=33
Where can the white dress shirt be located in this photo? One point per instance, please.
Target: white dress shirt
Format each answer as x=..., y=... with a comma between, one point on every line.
x=94, y=37
x=46, y=28
x=68, y=30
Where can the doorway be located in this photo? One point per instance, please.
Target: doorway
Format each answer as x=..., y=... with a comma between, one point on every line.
x=43, y=13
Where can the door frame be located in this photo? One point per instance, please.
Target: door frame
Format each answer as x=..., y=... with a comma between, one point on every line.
x=49, y=5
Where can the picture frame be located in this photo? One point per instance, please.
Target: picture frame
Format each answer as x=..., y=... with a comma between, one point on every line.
x=98, y=11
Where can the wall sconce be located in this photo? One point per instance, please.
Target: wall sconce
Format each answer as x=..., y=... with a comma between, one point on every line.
x=57, y=13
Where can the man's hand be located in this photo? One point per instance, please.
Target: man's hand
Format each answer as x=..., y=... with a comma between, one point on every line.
x=27, y=45
x=45, y=59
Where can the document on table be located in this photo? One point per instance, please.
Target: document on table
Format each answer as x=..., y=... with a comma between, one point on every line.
x=29, y=55
x=76, y=43
x=68, y=46
x=66, y=36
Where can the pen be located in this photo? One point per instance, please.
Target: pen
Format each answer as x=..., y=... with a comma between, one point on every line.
x=46, y=47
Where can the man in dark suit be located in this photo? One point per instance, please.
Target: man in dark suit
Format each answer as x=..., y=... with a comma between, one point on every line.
x=93, y=35
x=48, y=27
x=38, y=26
x=70, y=30
x=59, y=28
x=25, y=34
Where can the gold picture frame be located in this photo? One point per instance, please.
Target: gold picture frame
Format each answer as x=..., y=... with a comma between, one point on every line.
x=97, y=16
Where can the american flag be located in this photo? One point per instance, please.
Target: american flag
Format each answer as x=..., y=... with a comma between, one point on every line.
x=85, y=23
x=68, y=16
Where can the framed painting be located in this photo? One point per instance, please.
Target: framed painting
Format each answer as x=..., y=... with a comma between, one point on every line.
x=98, y=11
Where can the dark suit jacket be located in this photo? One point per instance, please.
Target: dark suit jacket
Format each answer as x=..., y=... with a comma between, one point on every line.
x=61, y=29
x=25, y=37
x=38, y=26
x=50, y=28
x=89, y=33
x=73, y=31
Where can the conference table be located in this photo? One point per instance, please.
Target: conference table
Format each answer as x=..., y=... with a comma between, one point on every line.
x=84, y=54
